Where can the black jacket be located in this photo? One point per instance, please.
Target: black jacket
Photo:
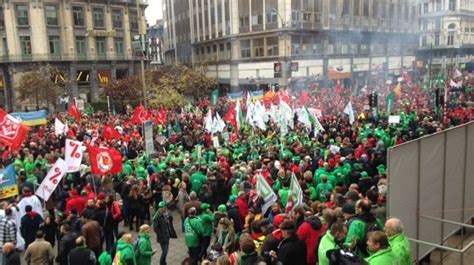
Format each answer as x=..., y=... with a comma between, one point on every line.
x=13, y=258
x=82, y=256
x=163, y=227
x=292, y=251
x=66, y=244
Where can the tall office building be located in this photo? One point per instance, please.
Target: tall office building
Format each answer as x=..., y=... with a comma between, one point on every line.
x=249, y=43
x=90, y=41
x=446, y=32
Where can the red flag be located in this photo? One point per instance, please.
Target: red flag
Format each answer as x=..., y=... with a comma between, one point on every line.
x=110, y=133
x=339, y=87
x=74, y=111
x=304, y=97
x=140, y=115
x=285, y=96
x=160, y=117
x=104, y=160
x=12, y=132
x=230, y=116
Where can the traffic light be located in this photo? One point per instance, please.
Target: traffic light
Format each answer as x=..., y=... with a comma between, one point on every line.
x=373, y=99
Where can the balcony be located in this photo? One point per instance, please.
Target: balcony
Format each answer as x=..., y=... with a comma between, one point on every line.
x=59, y=57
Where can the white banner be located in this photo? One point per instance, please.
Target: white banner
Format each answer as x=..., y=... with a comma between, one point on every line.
x=265, y=191
x=59, y=127
x=73, y=154
x=52, y=180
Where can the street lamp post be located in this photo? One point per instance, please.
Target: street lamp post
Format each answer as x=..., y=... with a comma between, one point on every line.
x=142, y=59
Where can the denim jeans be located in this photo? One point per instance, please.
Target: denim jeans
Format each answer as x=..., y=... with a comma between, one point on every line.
x=164, y=252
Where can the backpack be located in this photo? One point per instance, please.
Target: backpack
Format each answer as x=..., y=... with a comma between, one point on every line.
x=361, y=246
x=344, y=257
x=136, y=247
x=117, y=260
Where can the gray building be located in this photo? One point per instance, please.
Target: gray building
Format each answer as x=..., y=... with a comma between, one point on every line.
x=90, y=41
x=446, y=32
x=253, y=43
x=155, y=41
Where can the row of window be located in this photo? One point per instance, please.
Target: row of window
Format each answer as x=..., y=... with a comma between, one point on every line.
x=437, y=6
x=437, y=40
x=78, y=15
x=81, y=45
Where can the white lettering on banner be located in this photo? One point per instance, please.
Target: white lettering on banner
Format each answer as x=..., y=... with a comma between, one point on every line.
x=73, y=155
x=52, y=180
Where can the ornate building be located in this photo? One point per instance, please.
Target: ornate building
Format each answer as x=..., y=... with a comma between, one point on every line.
x=90, y=41
x=249, y=43
x=446, y=32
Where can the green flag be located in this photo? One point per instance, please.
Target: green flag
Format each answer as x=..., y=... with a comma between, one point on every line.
x=390, y=101
x=214, y=96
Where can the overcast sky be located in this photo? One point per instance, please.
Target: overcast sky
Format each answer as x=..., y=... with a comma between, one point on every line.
x=153, y=11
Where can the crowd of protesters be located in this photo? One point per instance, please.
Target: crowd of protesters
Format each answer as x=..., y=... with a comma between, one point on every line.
x=94, y=219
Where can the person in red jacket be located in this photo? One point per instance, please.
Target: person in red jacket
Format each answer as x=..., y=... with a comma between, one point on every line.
x=75, y=202
x=242, y=205
x=311, y=232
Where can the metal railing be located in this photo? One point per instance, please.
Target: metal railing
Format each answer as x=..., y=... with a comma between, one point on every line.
x=461, y=252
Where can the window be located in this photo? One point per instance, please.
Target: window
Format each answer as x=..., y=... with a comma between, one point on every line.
x=81, y=46
x=98, y=14
x=100, y=45
x=258, y=47
x=295, y=45
x=375, y=8
x=425, y=8
x=345, y=8
x=117, y=18
x=366, y=8
x=438, y=5
x=25, y=43
x=272, y=46
x=450, y=39
x=22, y=15
x=245, y=48
x=424, y=41
x=356, y=7
x=119, y=46
x=78, y=16
x=2, y=18
x=452, y=5
x=54, y=43
x=51, y=15
x=272, y=17
x=452, y=26
x=134, y=20
x=436, y=39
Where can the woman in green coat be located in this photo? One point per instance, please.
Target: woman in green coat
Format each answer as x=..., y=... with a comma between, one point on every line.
x=144, y=251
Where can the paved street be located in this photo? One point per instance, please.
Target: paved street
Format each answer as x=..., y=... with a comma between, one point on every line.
x=177, y=250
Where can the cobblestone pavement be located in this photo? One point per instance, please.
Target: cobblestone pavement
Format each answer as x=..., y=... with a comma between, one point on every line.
x=177, y=250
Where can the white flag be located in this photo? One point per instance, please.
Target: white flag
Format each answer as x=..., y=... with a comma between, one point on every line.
x=295, y=197
x=305, y=118
x=59, y=127
x=218, y=124
x=266, y=193
x=350, y=111
x=73, y=153
x=286, y=114
x=51, y=181
x=258, y=119
x=208, y=121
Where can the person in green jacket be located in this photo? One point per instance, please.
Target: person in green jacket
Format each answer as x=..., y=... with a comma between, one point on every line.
x=331, y=240
x=357, y=231
x=105, y=258
x=207, y=221
x=125, y=251
x=323, y=188
x=193, y=233
x=197, y=180
x=144, y=246
x=377, y=244
x=398, y=241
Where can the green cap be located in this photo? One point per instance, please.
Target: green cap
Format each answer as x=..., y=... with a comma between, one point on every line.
x=222, y=208
x=232, y=199
x=205, y=206
x=364, y=174
x=161, y=204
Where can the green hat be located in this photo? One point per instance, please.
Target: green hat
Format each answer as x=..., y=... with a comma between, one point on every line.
x=161, y=204
x=381, y=169
x=232, y=199
x=363, y=174
x=222, y=208
x=205, y=206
